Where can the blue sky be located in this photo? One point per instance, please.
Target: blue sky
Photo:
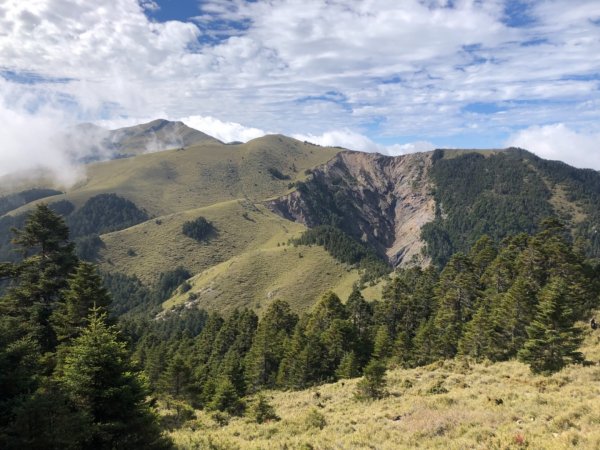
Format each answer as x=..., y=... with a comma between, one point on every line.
x=378, y=75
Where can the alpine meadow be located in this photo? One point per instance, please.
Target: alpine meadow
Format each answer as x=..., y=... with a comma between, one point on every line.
x=314, y=225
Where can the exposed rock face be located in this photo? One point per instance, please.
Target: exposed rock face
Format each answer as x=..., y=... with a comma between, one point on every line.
x=379, y=199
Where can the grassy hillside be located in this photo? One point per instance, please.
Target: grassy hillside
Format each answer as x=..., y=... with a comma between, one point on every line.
x=247, y=261
x=254, y=279
x=159, y=244
x=182, y=179
x=450, y=405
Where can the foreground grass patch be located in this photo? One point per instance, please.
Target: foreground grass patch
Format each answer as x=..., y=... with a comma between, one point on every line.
x=485, y=406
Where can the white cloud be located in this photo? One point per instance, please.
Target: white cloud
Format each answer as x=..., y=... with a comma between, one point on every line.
x=224, y=131
x=559, y=142
x=309, y=66
x=31, y=143
x=356, y=141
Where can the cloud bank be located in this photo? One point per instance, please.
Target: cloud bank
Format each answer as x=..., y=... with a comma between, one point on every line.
x=349, y=73
x=559, y=142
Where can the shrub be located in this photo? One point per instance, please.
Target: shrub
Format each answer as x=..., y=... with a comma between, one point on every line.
x=372, y=386
x=315, y=419
x=199, y=229
x=262, y=411
x=276, y=173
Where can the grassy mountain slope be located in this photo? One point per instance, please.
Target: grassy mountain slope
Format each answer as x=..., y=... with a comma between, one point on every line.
x=253, y=279
x=182, y=179
x=153, y=136
x=449, y=405
x=157, y=244
x=244, y=264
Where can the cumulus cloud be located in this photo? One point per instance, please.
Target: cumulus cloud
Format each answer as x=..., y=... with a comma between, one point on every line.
x=356, y=141
x=559, y=142
x=224, y=131
x=31, y=144
x=430, y=69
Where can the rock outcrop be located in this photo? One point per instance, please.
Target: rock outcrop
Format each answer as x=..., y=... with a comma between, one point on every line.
x=378, y=199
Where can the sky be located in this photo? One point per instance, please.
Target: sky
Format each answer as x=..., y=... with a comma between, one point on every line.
x=373, y=75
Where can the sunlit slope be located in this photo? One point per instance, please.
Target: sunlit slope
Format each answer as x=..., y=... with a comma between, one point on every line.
x=201, y=175
x=255, y=278
x=246, y=263
x=158, y=245
x=449, y=405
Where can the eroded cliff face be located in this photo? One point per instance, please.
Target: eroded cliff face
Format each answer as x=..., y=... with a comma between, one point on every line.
x=379, y=199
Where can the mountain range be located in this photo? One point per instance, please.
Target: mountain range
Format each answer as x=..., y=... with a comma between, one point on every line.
x=143, y=183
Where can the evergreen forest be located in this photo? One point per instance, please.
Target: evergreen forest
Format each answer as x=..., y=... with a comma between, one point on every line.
x=85, y=359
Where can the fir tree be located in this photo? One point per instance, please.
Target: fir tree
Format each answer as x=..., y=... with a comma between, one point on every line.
x=553, y=339
x=84, y=292
x=373, y=384
x=100, y=380
x=267, y=351
x=348, y=367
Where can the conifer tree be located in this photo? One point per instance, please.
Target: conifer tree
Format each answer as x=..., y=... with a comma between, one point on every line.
x=267, y=351
x=100, y=380
x=553, y=339
x=84, y=292
x=457, y=294
x=373, y=384
x=37, y=281
x=27, y=340
x=477, y=339
x=348, y=367
x=382, y=347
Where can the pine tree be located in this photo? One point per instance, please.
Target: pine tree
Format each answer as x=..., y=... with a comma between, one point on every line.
x=267, y=351
x=382, y=347
x=457, y=295
x=477, y=339
x=27, y=340
x=176, y=378
x=226, y=398
x=553, y=339
x=373, y=384
x=348, y=367
x=262, y=411
x=100, y=380
x=84, y=292
x=511, y=314
x=38, y=280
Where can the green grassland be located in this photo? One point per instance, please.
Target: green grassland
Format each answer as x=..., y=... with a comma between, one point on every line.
x=254, y=279
x=456, y=404
x=226, y=184
x=159, y=245
x=201, y=175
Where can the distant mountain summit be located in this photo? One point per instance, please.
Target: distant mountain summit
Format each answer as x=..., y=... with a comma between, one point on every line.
x=88, y=142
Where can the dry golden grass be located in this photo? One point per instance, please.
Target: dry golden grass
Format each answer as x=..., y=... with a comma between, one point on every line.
x=158, y=245
x=557, y=412
x=256, y=278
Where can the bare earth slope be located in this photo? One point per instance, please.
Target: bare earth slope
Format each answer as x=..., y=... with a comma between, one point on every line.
x=379, y=199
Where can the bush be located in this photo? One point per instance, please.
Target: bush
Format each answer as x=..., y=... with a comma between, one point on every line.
x=372, y=386
x=199, y=229
x=276, y=173
x=262, y=411
x=315, y=420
